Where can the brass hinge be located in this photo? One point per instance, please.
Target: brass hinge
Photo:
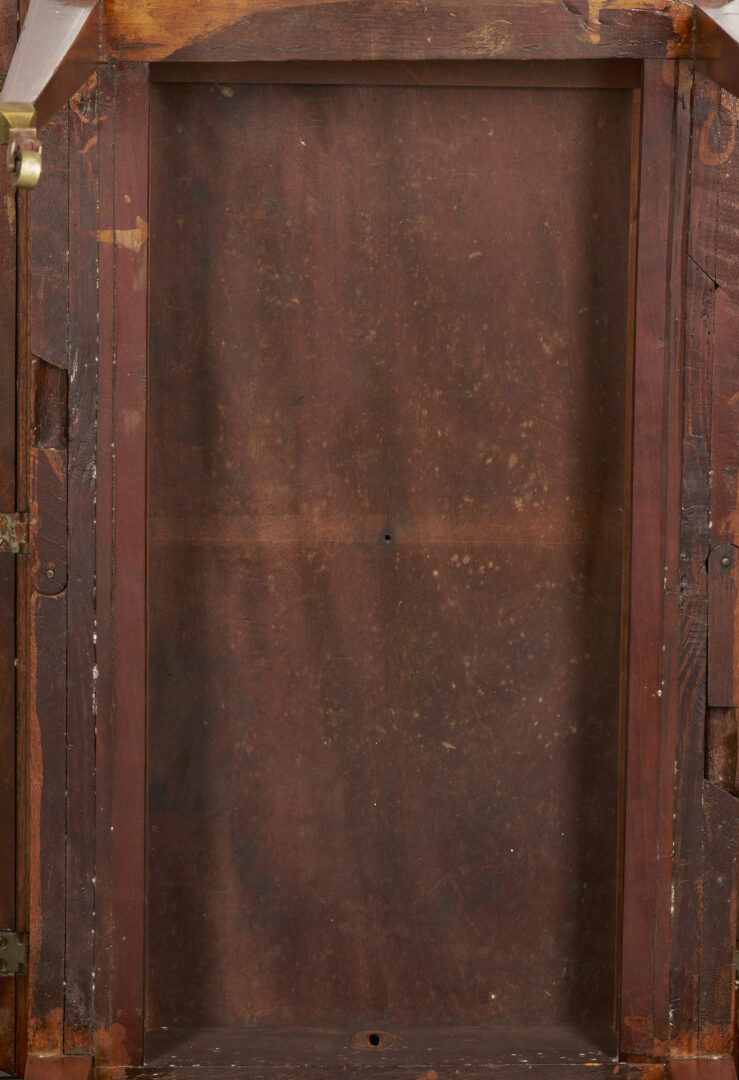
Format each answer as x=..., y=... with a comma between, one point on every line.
x=18, y=132
x=13, y=534
x=13, y=953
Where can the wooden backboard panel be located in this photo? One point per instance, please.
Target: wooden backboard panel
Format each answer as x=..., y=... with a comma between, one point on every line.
x=386, y=485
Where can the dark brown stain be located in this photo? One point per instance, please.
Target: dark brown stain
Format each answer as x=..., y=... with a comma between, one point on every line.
x=385, y=622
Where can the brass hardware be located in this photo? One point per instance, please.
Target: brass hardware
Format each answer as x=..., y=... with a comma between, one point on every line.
x=13, y=953
x=15, y=116
x=18, y=130
x=24, y=162
x=13, y=535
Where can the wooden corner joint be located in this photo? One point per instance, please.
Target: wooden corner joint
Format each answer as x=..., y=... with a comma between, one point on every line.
x=18, y=132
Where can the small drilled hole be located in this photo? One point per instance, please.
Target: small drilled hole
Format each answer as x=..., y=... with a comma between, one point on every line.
x=388, y=540
x=374, y=1039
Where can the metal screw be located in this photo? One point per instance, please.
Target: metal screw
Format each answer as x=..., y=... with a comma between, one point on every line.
x=726, y=561
x=50, y=573
x=3, y=965
x=3, y=943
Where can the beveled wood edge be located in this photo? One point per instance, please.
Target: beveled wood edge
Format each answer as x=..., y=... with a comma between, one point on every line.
x=613, y=73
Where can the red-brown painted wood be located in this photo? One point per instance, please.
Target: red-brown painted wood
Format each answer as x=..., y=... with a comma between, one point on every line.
x=352, y=30
x=46, y=793
x=83, y=347
x=352, y=550
x=558, y=1071
x=59, y=1067
x=718, y=921
x=121, y=566
x=50, y=248
x=702, y=1069
x=723, y=614
x=7, y=565
x=651, y=714
x=677, y=947
x=687, y=879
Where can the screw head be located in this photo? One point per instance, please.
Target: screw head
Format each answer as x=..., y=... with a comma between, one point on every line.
x=3, y=942
x=3, y=965
x=726, y=561
x=50, y=573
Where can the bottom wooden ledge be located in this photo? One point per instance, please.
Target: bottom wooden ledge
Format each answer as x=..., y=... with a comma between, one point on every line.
x=610, y=1071
x=58, y=1067
x=702, y=1069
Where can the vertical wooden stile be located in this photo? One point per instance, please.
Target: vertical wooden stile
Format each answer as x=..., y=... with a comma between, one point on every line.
x=7, y=563
x=654, y=561
x=80, y=921
x=121, y=594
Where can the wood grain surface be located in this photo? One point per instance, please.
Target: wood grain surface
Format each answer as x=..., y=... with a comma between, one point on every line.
x=81, y=654
x=121, y=564
x=387, y=29
x=311, y=289
x=704, y=917
x=558, y=1071
x=7, y=564
x=389, y=348
x=694, y=549
x=654, y=572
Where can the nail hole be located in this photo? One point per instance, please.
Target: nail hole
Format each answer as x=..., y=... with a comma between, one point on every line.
x=388, y=538
x=373, y=1040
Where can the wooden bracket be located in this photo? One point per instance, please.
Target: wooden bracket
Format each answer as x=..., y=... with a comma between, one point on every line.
x=717, y=42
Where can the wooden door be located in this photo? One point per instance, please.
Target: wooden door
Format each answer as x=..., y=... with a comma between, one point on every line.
x=371, y=678
x=10, y=916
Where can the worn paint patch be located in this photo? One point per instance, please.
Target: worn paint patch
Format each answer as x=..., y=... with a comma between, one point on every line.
x=495, y=38
x=131, y=421
x=131, y=239
x=717, y=137
x=45, y=1033
x=111, y=1049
